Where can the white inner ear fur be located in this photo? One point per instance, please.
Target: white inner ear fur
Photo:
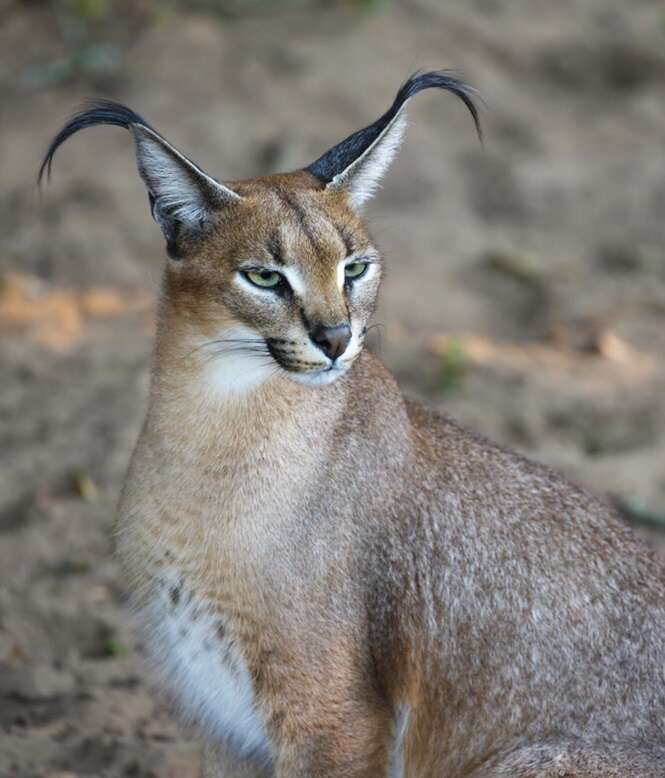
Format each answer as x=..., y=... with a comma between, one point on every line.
x=361, y=178
x=182, y=191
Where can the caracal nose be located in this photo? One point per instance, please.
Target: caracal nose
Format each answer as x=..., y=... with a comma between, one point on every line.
x=331, y=340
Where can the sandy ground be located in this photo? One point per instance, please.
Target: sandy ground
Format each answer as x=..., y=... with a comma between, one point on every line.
x=525, y=293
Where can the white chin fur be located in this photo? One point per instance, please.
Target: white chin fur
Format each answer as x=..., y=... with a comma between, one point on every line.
x=320, y=378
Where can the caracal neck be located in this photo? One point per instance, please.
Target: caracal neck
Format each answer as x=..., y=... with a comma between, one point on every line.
x=201, y=402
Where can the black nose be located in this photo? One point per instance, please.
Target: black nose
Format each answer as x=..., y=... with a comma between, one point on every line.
x=331, y=340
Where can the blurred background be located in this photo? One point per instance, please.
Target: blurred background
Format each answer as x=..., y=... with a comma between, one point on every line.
x=525, y=291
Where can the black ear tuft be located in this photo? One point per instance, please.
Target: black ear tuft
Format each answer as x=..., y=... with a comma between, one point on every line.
x=340, y=157
x=92, y=114
x=184, y=200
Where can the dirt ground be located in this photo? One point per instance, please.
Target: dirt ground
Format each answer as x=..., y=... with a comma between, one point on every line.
x=525, y=293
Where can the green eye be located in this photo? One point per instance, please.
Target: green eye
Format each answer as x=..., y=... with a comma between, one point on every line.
x=355, y=269
x=266, y=279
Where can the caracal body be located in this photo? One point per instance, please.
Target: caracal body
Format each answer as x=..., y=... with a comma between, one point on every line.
x=334, y=581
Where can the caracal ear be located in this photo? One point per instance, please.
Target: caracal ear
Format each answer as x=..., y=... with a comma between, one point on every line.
x=184, y=200
x=357, y=164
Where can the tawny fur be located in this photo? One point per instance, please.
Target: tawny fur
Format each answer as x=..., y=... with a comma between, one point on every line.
x=362, y=566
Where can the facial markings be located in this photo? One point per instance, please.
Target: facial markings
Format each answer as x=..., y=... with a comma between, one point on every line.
x=301, y=218
x=356, y=256
x=347, y=239
x=282, y=245
x=322, y=234
x=316, y=282
x=309, y=254
x=341, y=273
x=274, y=247
x=311, y=248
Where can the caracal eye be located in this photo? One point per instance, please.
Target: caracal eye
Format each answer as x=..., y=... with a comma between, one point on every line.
x=356, y=269
x=266, y=279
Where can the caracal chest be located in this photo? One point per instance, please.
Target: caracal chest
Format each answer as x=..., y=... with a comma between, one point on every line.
x=193, y=639
x=196, y=651
x=229, y=513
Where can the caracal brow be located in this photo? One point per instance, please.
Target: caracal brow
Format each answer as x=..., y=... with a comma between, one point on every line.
x=333, y=580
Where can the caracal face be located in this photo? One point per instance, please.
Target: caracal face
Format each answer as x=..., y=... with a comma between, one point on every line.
x=286, y=283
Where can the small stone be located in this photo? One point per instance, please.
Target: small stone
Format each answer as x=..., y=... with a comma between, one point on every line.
x=36, y=682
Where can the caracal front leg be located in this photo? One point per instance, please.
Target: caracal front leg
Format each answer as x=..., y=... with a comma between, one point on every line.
x=333, y=738
x=335, y=754
x=339, y=741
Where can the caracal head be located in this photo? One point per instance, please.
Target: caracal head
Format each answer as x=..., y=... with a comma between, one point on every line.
x=274, y=274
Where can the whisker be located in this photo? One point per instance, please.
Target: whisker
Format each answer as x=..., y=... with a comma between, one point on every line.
x=229, y=340
x=234, y=345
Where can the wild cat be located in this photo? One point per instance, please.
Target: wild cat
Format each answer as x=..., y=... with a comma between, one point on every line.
x=336, y=581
